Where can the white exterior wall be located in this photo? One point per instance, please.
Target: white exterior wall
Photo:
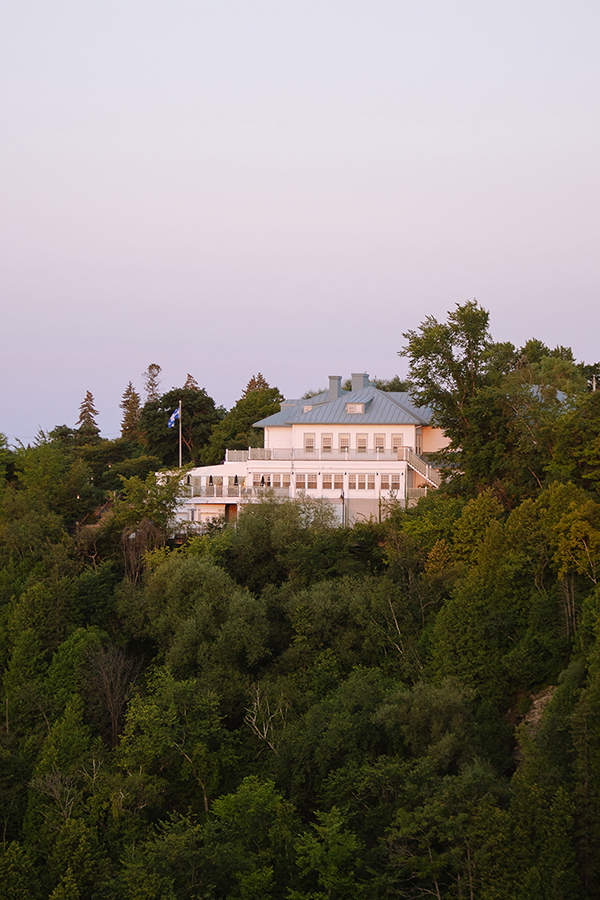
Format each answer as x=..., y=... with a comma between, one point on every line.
x=278, y=437
x=407, y=432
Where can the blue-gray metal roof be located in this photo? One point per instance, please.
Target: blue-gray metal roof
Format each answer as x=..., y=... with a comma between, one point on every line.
x=381, y=408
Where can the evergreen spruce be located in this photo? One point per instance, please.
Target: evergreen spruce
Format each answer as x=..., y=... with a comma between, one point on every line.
x=86, y=423
x=130, y=404
x=256, y=383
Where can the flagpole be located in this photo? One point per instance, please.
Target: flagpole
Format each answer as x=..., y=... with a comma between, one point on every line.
x=180, y=434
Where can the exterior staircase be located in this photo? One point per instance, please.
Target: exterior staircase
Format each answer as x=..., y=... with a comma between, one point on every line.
x=418, y=465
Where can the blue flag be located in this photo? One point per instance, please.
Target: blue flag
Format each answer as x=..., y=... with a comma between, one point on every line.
x=173, y=418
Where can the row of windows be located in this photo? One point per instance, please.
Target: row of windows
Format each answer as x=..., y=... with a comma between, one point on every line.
x=379, y=442
x=330, y=481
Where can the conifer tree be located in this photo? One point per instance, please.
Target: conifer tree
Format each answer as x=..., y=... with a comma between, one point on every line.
x=256, y=383
x=86, y=423
x=191, y=384
x=152, y=381
x=130, y=404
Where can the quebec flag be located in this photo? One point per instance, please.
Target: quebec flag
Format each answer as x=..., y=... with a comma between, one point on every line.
x=173, y=418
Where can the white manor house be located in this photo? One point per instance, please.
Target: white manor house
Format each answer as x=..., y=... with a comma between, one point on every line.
x=357, y=449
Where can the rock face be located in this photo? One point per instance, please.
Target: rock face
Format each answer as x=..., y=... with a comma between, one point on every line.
x=539, y=702
x=532, y=718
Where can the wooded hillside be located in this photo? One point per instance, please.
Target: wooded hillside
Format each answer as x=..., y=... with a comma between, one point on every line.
x=287, y=709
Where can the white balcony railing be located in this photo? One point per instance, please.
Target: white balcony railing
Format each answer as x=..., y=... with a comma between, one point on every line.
x=287, y=453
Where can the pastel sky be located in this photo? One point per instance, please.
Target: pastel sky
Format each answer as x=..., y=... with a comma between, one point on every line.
x=232, y=186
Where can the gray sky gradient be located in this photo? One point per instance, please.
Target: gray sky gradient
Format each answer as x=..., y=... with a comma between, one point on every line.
x=227, y=187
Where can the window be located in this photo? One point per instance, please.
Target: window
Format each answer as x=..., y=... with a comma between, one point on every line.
x=371, y=482
x=354, y=409
x=256, y=479
x=380, y=441
x=300, y=482
x=385, y=482
x=309, y=443
x=361, y=482
x=396, y=482
x=352, y=482
x=285, y=478
x=361, y=443
x=306, y=408
x=276, y=481
x=344, y=442
x=396, y=441
x=338, y=482
x=326, y=443
x=327, y=479
x=311, y=479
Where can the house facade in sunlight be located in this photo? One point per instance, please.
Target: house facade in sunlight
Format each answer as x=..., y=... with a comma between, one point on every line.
x=358, y=449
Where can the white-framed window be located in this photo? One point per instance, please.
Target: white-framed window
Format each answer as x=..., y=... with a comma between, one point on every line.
x=344, y=442
x=361, y=443
x=300, y=481
x=354, y=409
x=385, y=482
x=371, y=482
x=326, y=443
x=397, y=441
x=276, y=480
x=338, y=481
x=285, y=480
x=379, y=441
x=311, y=481
x=327, y=481
x=360, y=482
x=395, y=486
x=352, y=482
x=309, y=443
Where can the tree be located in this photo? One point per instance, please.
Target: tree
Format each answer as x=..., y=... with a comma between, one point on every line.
x=448, y=363
x=256, y=383
x=86, y=424
x=130, y=404
x=198, y=417
x=109, y=678
x=191, y=384
x=500, y=407
x=152, y=381
x=236, y=431
x=394, y=384
x=5, y=459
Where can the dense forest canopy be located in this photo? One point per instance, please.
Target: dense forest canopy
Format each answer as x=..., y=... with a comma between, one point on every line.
x=289, y=709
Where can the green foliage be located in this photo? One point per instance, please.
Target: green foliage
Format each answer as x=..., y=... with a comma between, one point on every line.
x=176, y=727
x=276, y=540
x=18, y=878
x=289, y=709
x=236, y=431
x=87, y=428
x=130, y=404
x=448, y=363
x=198, y=416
